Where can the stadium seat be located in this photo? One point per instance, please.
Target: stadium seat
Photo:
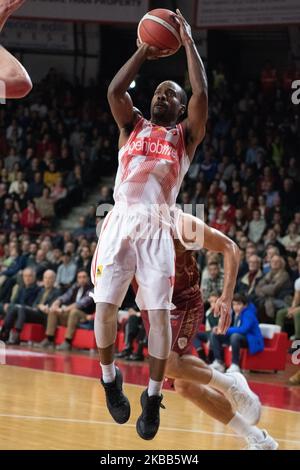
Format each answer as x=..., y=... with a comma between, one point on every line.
x=83, y=339
x=272, y=358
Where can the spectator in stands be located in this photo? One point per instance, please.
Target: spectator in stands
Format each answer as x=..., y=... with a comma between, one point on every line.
x=248, y=282
x=51, y=175
x=244, y=333
x=85, y=259
x=257, y=227
x=45, y=204
x=11, y=159
x=134, y=330
x=25, y=297
x=19, y=183
x=227, y=209
x=30, y=217
x=36, y=187
x=291, y=240
x=214, y=282
x=292, y=312
x=40, y=264
x=66, y=272
x=273, y=288
x=221, y=223
x=203, y=337
x=74, y=307
x=56, y=259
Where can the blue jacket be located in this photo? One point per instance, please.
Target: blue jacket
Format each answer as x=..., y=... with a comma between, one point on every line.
x=249, y=327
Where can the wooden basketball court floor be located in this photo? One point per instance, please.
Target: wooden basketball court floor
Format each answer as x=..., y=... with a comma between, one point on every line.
x=43, y=405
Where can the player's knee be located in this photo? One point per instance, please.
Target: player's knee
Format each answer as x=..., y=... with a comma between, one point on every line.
x=182, y=387
x=172, y=368
x=105, y=313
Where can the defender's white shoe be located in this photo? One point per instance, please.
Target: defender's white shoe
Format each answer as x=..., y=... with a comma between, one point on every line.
x=243, y=399
x=233, y=368
x=268, y=443
x=217, y=365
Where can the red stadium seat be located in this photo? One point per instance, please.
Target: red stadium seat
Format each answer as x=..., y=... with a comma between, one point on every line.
x=83, y=339
x=32, y=332
x=272, y=358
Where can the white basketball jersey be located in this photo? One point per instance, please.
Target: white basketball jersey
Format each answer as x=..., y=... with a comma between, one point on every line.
x=152, y=165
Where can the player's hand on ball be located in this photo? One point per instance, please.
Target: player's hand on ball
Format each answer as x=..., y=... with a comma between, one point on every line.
x=153, y=53
x=185, y=29
x=223, y=310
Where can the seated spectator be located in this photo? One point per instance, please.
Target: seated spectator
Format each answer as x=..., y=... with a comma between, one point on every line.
x=45, y=204
x=245, y=333
x=257, y=227
x=40, y=264
x=8, y=273
x=74, y=307
x=227, y=208
x=56, y=259
x=66, y=272
x=134, y=330
x=25, y=297
x=291, y=240
x=292, y=312
x=273, y=288
x=241, y=222
x=214, y=282
x=58, y=190
x=19, y=183
x=30, y=217
x=36, y=187
x=249, y=281
x=204, y=336
x=20, y=199
x=270, y=252
x=7, y=212
x=85, y=259
x=221, y=223
x=51, y=175
x=11, y=159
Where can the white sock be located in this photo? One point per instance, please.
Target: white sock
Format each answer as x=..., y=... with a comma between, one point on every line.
x=240, y=426
x=108, y=372
x=154, y=388
x=220, y=381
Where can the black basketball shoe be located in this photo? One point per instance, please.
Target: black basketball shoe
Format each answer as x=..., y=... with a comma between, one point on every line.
x=148, y=423
x=117, y=404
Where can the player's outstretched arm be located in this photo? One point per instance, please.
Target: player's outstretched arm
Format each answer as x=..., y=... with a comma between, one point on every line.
x=17, y=82
x=119, y=99
x=198, y=105
x=214, y=240
x=195, y=232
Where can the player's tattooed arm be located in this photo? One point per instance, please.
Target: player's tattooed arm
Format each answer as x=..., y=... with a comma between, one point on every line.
x=195, y=123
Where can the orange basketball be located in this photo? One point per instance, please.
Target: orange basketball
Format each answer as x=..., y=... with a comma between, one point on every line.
x=160, y=29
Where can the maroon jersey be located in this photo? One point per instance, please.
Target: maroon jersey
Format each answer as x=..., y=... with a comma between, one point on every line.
x=185, y=319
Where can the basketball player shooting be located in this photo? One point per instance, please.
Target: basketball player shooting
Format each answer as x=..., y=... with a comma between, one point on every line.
x=153, y=159
x=14, y=79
